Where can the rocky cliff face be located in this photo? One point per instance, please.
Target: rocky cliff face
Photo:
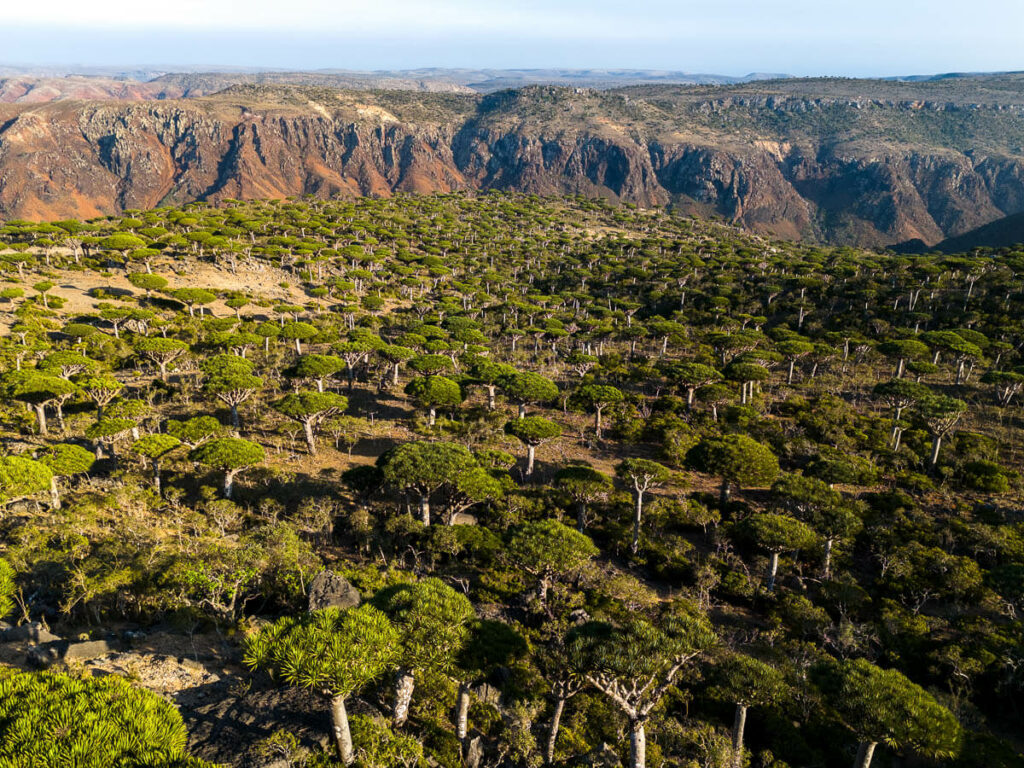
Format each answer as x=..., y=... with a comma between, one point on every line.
x=83, y=159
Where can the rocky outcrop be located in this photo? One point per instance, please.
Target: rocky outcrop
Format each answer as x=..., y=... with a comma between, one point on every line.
x=332, y=590
x=71, y=159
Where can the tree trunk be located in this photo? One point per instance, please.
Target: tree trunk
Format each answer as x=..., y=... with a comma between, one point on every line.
x=522, y=410
x=773, y=569
x=298, y=347
x=723, y=494
x=531, y=453
x=229, y=483
x=556, y=721
x=342, y=735
x=789, y=378
x=690, y=391
x=234, y=417
x=425, y=509
x=828, y=557
x=394, y=374
x=462, y=712
x=637, y=744
x=432, y=418
x=490, y=397
x=41, y=418
x=739, y=723
x=54, y=493
x=597, y=422
x=307, y=429
x=156, y=477
x=637, y=516
x=542, y=590
x=581, y=516
x=865, y=752
x=163, y=372
x=936, y=445
x=404, y=685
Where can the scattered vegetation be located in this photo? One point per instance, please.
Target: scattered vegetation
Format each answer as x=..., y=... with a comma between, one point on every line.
x=613, y=484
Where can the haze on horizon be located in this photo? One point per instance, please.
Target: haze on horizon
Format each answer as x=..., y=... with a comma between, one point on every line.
x=799, y=37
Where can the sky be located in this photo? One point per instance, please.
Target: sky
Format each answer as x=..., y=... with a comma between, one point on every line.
x=733, y=37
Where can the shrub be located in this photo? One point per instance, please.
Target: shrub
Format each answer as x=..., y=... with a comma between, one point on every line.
x=7, y=589
x=986, y=476
x=49, y=719
x=377, y=746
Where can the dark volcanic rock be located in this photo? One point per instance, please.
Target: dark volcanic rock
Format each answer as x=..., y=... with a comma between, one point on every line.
x=331, y=590
x=32, y=632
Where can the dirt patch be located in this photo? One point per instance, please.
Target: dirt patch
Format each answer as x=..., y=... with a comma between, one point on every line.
x=75, y=286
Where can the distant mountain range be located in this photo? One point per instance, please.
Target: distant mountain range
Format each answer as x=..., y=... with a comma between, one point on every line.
x=20, y=85
x=867, y=162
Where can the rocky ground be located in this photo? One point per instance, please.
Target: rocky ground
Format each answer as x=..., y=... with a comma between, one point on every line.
x=228, y=711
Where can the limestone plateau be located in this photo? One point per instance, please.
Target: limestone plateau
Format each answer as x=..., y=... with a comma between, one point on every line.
x=871, y=163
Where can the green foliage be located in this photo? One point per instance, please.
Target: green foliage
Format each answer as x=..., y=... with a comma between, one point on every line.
x=736, y=459
x=20, y=477
x=228, y=453
x=881, y=705
x=432, y=620
x=741, y=679
x=121, y=242
x=330, y=652
x=425, y=466
x=643, y=474
x=583, y=483
x=549, y=549
x=835, y=467
x=155, y=446
x=194, y=296
x=759, y=362
x=776, y=533
x=65, y=459
x=528, y=388
x=50, y=720
x=434, y=392
x=147, y=282
x=8, y=589
x=378, y=746
x=193, y=431
x=303, y=406
x=533, y=430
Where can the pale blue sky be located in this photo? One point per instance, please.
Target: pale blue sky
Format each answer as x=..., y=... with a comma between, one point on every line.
x=803, y=37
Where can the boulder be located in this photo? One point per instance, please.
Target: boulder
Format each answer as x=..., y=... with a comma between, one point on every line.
x=43, y=656
x=487, y=694
x=90, y=649
x=473, y=753
x=33, y=632
x=464, y=518
x=332, y=590
x=46, y=654
x=605, y=757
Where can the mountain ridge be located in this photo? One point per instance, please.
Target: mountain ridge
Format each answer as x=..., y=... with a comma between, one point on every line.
x=28, y=85
x=871, y=163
